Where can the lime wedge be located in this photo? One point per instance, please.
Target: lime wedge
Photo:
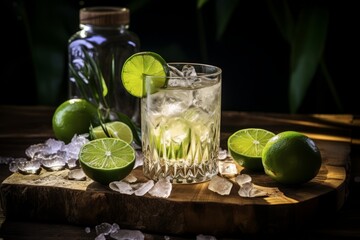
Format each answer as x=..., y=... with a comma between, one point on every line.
x=246, y=145
x=106, y=160
x=114, y=129
x=139, y=65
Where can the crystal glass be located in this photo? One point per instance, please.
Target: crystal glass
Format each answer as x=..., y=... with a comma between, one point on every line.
x=180, y=123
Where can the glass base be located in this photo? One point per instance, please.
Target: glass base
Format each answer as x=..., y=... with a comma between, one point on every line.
x=179, y=172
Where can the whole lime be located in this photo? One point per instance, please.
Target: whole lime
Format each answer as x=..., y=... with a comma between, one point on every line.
x=291, y=158
x=73, y=116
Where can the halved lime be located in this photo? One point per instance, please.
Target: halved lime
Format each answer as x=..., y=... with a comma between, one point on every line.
x=114, y=129
x=137, y=66
x=106, y=160
x=246, y=145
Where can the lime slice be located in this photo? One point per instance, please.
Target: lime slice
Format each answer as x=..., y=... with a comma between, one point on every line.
x=246, y=145
x=137, y=66
x=114, y=129
x=106, y=160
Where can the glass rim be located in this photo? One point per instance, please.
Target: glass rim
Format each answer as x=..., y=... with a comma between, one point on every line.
x=216, y=71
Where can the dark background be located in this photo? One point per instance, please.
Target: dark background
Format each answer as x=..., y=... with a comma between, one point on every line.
x=252, y=53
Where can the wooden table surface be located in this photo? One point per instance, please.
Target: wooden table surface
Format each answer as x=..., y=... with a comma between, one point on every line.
x=21, y=126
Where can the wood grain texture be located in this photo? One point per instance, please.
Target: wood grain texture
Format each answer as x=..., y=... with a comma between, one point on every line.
x=192, y=208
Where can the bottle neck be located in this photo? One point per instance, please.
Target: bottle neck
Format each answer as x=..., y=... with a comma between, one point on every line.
x=94, y=28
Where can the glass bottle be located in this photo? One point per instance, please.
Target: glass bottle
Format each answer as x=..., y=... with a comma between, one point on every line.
x=96, y=55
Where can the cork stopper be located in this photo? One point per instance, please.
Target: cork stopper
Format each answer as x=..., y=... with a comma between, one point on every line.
x=105, y=16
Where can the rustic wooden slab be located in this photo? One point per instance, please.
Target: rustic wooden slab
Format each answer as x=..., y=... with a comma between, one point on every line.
x=190, y=209
x=51, y=197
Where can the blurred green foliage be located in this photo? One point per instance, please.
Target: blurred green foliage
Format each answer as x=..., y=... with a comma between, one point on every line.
x=278, y=56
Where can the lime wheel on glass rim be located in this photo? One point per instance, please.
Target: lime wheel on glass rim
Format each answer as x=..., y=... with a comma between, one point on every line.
x=137, y=66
